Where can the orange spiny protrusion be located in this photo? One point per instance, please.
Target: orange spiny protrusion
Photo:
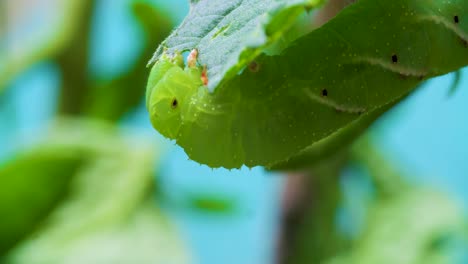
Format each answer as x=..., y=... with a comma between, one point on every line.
x=204, y=76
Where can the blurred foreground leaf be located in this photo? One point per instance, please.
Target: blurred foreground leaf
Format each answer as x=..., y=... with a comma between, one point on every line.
x=400, y=230
x=31, y=185
x=211, y=203
x=406, y=229
x=106, y=216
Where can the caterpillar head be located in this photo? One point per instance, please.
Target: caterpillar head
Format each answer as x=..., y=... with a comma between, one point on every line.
x=170, y=90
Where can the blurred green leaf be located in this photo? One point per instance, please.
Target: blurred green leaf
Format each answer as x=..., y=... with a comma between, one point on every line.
x=387, y=178
x=106, y=216
x=400, y=229
x=18, y=57
x=405, y=228
x=31, y=185
x=211, y=203
x=145, y=237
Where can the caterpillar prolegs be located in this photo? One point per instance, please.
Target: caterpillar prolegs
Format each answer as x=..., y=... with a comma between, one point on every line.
x=371, y=55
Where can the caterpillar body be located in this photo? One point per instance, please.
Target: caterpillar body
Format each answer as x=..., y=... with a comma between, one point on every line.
x=336, y=75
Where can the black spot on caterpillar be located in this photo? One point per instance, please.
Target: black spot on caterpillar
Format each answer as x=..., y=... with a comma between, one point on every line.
x=174, y=103
x=456, y=20
x=394, y=58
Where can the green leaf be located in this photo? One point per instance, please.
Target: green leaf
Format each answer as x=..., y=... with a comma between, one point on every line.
x=211, y=203
x=145, y=236
x=408, y=225
x=229, y=34
x=409, y=228
x=103, y=195
x=341, y=75
x=31, y=185
x=328, y=146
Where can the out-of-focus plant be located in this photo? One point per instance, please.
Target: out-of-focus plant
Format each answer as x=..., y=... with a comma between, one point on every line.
x=31, y=184
x=406, y=224
x=17, y=54
x=111, y=99
x=409, y=229
x=403, y=223
x=105, y=207
x=80, y=94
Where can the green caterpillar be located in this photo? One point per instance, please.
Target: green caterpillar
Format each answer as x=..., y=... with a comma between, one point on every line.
x=370, y=56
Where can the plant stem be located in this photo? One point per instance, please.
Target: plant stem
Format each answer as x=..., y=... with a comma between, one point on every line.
x=73, y=62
